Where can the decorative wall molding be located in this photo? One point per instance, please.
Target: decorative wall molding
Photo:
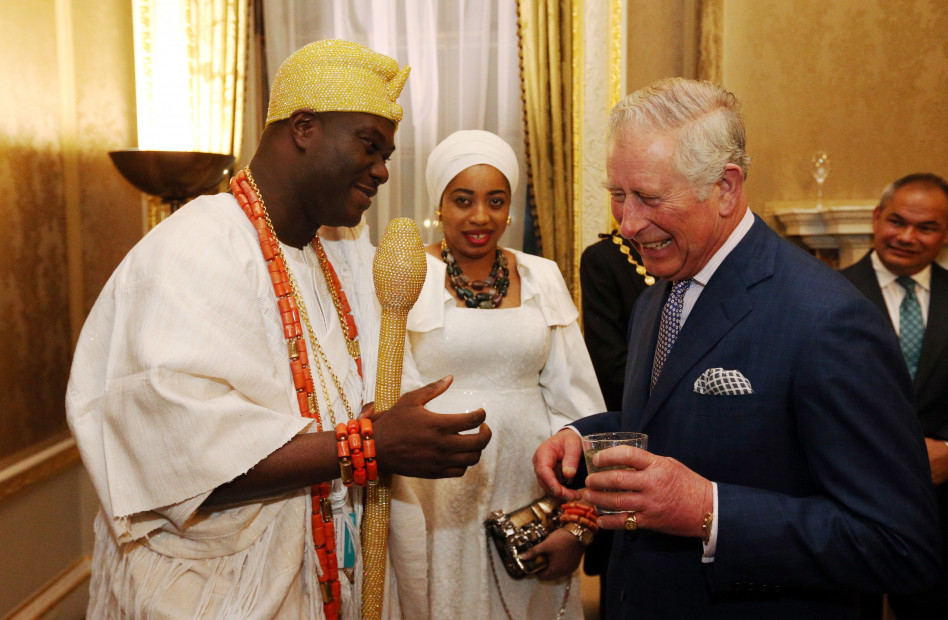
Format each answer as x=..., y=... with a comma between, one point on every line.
x=601, y=87
x=40, y=462
x=840, y=226
x=711, y=40
x=597, y=63
x=50, y=595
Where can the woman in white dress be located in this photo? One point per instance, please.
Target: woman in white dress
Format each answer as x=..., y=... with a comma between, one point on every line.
x=504, y=325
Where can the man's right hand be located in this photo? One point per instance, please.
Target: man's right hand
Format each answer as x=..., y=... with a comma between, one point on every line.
x=412, y=441
x=555, y=463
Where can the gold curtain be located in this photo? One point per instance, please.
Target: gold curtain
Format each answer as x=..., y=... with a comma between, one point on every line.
x=710, y=40
x=547, y=31
x=215, y=37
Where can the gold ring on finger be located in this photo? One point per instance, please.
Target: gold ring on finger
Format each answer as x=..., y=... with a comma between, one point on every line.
x=630, y=522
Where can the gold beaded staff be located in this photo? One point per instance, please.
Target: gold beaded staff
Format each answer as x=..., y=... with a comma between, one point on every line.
x=399, y=272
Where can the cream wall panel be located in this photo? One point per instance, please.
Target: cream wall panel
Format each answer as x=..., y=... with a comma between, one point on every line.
x=593, y=117
x=34, y=300
x=865, y=80
x=40, y=536
x=661, y=41
x=68, y=217
x=111, y=209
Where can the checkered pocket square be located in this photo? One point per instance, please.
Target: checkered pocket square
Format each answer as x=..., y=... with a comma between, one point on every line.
x=720, y=382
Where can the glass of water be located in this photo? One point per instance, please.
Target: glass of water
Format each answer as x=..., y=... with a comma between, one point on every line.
x=597, y=442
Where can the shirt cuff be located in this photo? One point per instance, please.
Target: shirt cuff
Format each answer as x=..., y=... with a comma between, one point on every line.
x=709, y=547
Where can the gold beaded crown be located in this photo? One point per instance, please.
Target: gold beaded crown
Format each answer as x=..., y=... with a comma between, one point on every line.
x=337, y=76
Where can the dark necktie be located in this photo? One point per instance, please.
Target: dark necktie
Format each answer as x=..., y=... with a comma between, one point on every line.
x=911, y=327
x=669, y=326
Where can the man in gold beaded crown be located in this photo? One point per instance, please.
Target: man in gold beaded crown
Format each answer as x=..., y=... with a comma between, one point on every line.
x=222, y=354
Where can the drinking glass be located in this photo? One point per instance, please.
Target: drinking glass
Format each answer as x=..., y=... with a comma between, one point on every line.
x=597, y=442
x=820, y=168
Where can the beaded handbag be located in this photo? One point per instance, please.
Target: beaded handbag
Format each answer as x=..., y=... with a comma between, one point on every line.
x=515, y=532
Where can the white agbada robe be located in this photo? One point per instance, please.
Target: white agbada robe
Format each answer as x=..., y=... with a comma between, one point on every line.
x=180, y=383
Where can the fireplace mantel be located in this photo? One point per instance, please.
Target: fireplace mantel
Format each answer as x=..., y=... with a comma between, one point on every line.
x=840, y=227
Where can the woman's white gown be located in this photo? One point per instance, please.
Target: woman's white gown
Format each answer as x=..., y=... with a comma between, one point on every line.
x=498, y=358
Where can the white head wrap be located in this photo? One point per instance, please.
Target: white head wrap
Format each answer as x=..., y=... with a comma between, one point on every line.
x=466, y=148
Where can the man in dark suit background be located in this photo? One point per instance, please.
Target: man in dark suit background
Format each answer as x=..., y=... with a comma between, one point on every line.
x=910, y=227
x=786, y=469
x=612, y=278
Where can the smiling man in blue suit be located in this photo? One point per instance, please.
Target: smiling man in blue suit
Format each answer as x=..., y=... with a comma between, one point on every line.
x=909, y=229
x=786, y=468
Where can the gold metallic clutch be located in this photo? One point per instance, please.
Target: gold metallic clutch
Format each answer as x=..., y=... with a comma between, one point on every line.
x=515, y=532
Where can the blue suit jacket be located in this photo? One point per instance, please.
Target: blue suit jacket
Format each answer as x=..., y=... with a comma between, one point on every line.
x=931, y=379
x=823, y=480
x=931, y=396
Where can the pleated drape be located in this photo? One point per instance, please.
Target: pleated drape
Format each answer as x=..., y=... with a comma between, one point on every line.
x=464, y=75
x=197, y=50
x=217, y=53
x=546, y=29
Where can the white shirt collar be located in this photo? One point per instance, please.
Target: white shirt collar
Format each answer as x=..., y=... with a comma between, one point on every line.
x=923, y=278
x=704, y=276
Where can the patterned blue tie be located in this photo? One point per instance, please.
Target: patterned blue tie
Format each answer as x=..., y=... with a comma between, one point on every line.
x=669, y=326
x=911, y=327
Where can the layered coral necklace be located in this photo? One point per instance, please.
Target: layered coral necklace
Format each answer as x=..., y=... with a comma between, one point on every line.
x=294, y=317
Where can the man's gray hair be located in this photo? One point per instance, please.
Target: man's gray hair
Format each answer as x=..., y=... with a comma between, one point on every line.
x=705, y=118
x=921, y=178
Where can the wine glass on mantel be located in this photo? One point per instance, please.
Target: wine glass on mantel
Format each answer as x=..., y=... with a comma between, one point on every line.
x=819, y=168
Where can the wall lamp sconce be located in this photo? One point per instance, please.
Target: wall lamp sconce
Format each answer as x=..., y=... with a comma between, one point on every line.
x=173, y=176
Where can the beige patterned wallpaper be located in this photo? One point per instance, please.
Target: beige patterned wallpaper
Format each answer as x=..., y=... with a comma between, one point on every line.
x=34, y=304
x=68, y=217
x=660, y=41
x=111, y=209
x=866, y=80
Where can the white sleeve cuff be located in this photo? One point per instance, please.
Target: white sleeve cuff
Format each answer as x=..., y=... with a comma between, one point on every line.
x=709, y=548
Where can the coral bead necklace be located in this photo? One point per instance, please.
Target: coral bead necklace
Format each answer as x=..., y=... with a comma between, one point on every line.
x=294, y=317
